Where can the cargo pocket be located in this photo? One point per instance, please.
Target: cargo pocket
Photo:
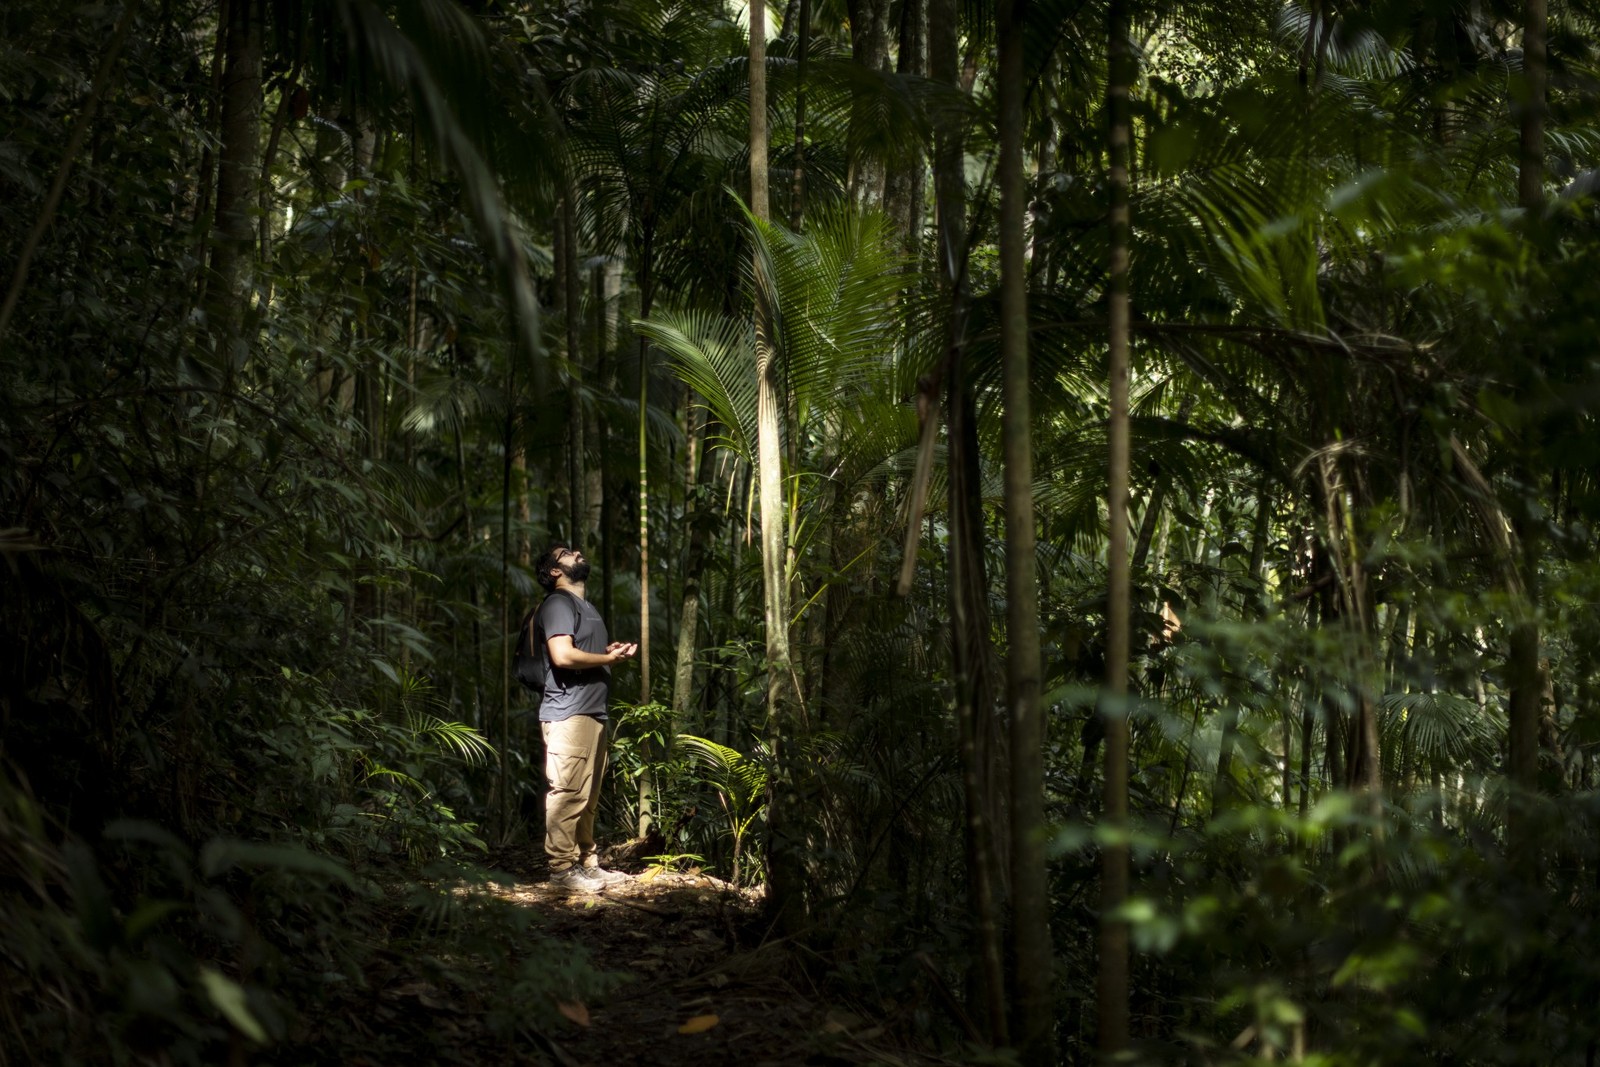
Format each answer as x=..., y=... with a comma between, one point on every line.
x=565, y=768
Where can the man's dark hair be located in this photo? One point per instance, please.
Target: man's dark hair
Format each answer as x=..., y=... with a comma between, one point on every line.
x=547, y=562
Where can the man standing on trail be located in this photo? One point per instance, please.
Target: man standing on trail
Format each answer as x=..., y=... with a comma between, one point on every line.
x=572, y=717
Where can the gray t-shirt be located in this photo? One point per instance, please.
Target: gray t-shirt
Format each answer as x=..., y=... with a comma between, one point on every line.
x=569, y=692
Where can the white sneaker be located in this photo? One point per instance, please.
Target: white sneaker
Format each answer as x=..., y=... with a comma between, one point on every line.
x=607, y=877
x=576, y=879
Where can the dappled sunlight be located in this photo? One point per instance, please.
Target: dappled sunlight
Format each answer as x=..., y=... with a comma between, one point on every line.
x=699, y=978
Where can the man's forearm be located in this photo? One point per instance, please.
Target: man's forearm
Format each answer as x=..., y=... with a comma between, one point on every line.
x=578, y=659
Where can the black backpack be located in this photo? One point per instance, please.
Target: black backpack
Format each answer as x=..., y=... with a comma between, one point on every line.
x=529, y=664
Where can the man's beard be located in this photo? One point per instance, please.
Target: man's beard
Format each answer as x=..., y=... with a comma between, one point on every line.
x=575, y=572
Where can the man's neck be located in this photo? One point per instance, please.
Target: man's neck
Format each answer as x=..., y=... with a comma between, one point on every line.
x=566, y=585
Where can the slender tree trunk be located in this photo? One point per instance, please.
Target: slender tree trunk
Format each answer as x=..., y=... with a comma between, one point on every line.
x=1030, y=922
x=869, y=49
x=1526, y=684
x=903, y=189
x=479, y=719
x=205, y=184
x=1524, y=676
x=1044, y=165
x=1341, y=499
x=972, y=657
x=784, y=838
x=644, y=545
x=1114, y=879
x=522, y=544
x=287, y=95
x=647, y=778
x=508, y=447
x=570, y=282
x=1535, y=74
x=595, y=437
x=1308, y=731
x=238, y=170
x=696, y=490
x=797, y=203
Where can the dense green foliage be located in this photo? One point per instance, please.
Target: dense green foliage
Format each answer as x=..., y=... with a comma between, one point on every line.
x=343, y=308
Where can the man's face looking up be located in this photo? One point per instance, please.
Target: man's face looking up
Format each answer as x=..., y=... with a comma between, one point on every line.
x=570, y=562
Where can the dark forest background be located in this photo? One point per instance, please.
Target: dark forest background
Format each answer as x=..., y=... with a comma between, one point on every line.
x=1105, y=491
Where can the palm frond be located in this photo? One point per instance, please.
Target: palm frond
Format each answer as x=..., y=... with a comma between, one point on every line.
x=715, y=356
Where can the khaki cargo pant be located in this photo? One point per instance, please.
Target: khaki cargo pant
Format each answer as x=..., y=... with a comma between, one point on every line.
x=574, y=767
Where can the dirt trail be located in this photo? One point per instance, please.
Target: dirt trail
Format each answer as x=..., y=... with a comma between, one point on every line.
x=695, y=949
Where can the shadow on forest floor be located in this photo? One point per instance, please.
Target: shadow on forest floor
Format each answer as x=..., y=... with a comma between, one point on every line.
x=693, y=954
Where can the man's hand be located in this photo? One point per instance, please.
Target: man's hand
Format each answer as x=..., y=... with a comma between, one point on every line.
x=563, y=654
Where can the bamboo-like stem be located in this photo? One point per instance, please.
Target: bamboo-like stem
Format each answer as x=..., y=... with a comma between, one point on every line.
x=1114, y=878
x=797, y=203
x=510, y=428
x=1033, y=980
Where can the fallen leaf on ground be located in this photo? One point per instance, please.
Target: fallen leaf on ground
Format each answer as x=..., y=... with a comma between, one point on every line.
x=699, y=1024
x=839, y=1022
x=574, y=1010
x=427, y=994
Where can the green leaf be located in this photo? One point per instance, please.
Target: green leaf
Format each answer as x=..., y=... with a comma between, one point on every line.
x=229, y=998
x=224, y=854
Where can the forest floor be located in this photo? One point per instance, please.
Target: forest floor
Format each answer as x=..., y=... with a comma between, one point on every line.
x=700, y=982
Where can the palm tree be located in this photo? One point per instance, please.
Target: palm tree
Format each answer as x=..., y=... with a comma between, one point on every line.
x=826, y=301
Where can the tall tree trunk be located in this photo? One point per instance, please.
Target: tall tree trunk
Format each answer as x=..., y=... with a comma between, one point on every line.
x=206, y=186
x=1308, y=734
x=1030, y=921
x=869, y=49
x=524, y=506
x=238, y=170
x=1524, y=676
x=1328, y=615
x=1526, y=684
x=570, y=282
x=647, y=778
x=508, y=449
x=289, y=94
x=784, y=840
x=1535, y=74
x=479, y=718
x=903, y=189
x=696, y=491
x=594, y=435
x=972, y=657
x=797, y=202
x=1114, y=879
x=1341, y=497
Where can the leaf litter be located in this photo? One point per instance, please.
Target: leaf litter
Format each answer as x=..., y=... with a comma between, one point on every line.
x=701, y=983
